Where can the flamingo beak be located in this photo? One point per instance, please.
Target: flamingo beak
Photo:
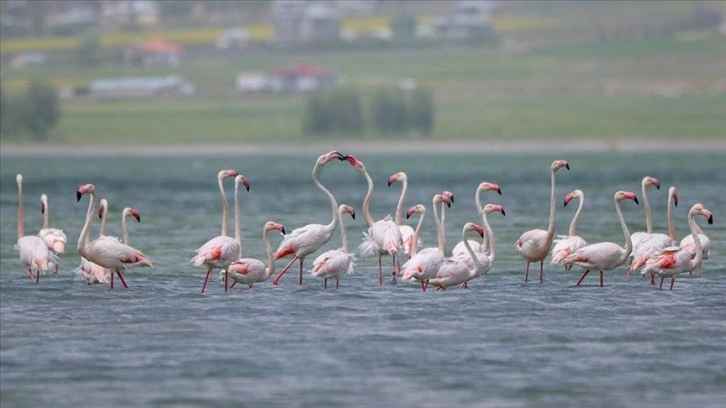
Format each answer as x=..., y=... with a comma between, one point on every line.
x=675, y=200
x=78, y=195
x=567, y=166
x=503, y=212
x=710, y=219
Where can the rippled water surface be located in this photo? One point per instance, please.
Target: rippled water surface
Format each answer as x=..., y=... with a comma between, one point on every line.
x=500, y=343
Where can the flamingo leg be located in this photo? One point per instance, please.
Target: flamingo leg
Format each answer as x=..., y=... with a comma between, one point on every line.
x=380, y=271
x=601, y=278
x=301, y=271
x=426, y=285
x=652, y=278
x=673, y=280
x=582, y=277
x=699, y=270
x=204, y=285
x=32, y=278
x=37, y=276
x=393, y=281
x=123, y=281
x=226, y=278
x=276, y=281
x=112, y=280
x=526, y=274
x=325, y=283
x=541, y=271
x=661, y=283
x=423, y=286
x=232, y=285
x=337, y=283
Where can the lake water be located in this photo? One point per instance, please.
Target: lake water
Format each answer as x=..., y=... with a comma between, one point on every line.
x=500, y=343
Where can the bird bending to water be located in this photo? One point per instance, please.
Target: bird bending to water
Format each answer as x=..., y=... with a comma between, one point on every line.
x=249, y=270
x=336, y=262
x=457, y=271
x=54, y=238
x=459, y=249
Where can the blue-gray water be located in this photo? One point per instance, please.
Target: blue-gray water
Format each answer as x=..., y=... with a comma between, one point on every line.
x=500, y=343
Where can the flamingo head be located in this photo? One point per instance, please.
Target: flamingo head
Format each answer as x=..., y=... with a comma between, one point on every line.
x=571, y=196
x=626, y=195
x=43, y=203
x=400, y=176
x=357, y=164
x=558, y=164
x=85, y=189
x=241, y=179
x=346, y=209
x=651, y=181
x=417, y=209
x=102, y=207
x=699, y=209
x=490, y=208
x=470, y=226
x=448, y=198
x=272, y=225
x=223, y=174
x=672, y=193
x=487, y=186
x=328, y=157
x=132, y=212
x=19, y=178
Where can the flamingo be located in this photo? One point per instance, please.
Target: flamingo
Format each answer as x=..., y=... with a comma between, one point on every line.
x=604, y=256
x=671, y=261
x=455, y=271
x=567, y=244
x=486, y=261
x=406, y=230
x=534, y=245
x=639, y=236
x=383, y=236
x=54, y=238
x=424, y=264
x=336, y=262
x=108, y=253
x=33, y=252
x=654, y=242
x=305, y=240
x=690, y=244
x=250, y=270
x=220, y=251
x=459, y=249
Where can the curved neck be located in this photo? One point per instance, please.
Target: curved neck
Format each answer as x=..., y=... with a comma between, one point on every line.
x=224, y=207
x=367, y=200
x=489, y=236
x=474, y=258
x=21, y=227
x=399, y=207
x=442, y=223
x=124, y=227
x=270, y=259
x=414, y=243
x=331, y=198
x=83, y=238
x=102, y=232
x=576, y=217
x=46, y=215
x=626, y=233
x=343, y=236
x=696, y=240
x=669, y=215
x=480, y=211
x=551, y=227
x=237, y=216
x=646, y=207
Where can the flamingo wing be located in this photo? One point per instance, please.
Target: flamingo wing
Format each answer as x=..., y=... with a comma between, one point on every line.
x=219, y=251
x=115, y=255
x=599, y=256
x=565, y=246
x=54, y=239
x=333, y=263
x=247, y=270
x=34, y=253
x=531, y=243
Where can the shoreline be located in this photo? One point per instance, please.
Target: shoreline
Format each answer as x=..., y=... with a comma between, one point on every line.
x=369, y=147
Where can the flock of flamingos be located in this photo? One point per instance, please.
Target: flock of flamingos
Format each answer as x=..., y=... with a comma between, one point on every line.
x=650, y=253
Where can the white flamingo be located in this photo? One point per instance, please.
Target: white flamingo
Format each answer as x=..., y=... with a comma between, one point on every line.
x=383, y=236
x=108, y=253
x=54, y=238
x=406, y=230
x=249, y=270
x=639, y=236
x=336, y=262
x=459, y=249
x=220, y=251
x=604, y=256
x=671, y=261
x=534, y=245
x=654, y=242
x=305, y=240
x=455, y=271
x=567, y=244
x=690, y=245
x=486, y=261
x=424, y=264
x=33, y=252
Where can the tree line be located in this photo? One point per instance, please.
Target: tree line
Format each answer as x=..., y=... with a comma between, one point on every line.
x=34, y=112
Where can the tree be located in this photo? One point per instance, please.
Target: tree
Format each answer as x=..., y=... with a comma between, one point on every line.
x=89, y=48
x=422, y=110
x=41, y=109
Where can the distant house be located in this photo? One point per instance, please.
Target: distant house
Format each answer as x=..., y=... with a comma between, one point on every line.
x=154, y=52
x=139, y=87
x=468, y=19
x=141, y=12
x=292, y=78
x=299, y=22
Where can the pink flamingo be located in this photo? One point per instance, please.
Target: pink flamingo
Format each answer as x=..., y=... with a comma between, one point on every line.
x=33, y=252
x=486, y=261
x=455, y=271
x=424, y=264
x=406, y=230
x=249, y=270
x=604, y=256
x=459, y=249
x=654, y=242
x=305, y=240
x=671, y=261
x=220, y=251
x=383, y=236
x=690, y=245
x=639, y=236
x=54, y=238
x=106, y=252
x=336, y=262
x=534, y=245
x=567, y=244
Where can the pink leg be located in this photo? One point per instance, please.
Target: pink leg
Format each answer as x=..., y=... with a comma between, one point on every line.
x=627, y=273
x=526, y=274
x=226, y=277
x=699, y=270
x=204, y=285
x=661, y=284
x=652, y=278
x=325, y=283
x=673, y=280
x=337, y=283
x=380, y=271
x=601, y=279
x=112, y=279
x=393, y=281
x=426, y=285
x=37, y=276
x=301, y=270
x=582, y=277
x=123, y=281
x=233, y=283
x=276, y=281
x=423, y=286
x=541, y=271
x=32, y=278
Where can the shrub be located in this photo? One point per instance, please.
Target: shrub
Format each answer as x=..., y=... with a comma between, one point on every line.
x=89, y=48
x=40, y=109
x=422, y=110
